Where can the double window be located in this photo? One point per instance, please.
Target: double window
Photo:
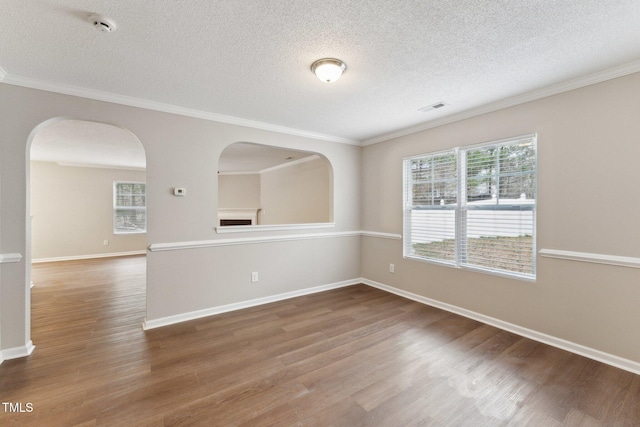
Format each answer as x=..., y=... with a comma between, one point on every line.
x=129, y=207
x=474, y=207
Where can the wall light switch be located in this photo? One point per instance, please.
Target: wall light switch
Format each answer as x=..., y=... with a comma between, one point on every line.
x=392, y=268
x=254, y=277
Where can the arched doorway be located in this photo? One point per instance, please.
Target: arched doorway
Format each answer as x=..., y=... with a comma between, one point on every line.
x=86, y=194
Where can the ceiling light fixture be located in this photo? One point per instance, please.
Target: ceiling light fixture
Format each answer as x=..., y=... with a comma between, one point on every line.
x=328, y=69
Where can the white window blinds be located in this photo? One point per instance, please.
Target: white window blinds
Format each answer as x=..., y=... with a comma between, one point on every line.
x=474, y=207
x=129, y=207
x=432, y=196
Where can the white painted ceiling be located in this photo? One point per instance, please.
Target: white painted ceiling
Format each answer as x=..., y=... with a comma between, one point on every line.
x=249, y=60
x=88, y=144
x=247, y=157
x=99, y=145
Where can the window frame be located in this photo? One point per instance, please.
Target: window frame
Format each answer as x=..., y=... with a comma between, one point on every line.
x=117, y=208
x=461, y=207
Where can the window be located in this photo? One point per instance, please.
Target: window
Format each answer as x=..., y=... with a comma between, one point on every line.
x=474, y=207
x=129, y=207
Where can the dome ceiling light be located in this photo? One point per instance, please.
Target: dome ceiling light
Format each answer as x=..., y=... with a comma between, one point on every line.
x=328, y=69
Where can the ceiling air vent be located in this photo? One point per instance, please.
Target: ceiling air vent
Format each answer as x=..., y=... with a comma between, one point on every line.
x=431, y=107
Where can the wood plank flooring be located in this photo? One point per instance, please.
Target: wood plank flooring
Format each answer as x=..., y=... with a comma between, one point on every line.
x=355, y=356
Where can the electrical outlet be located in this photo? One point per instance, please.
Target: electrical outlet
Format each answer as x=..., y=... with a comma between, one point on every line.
x=254, y=277
x=392, y=268
x=106, y=243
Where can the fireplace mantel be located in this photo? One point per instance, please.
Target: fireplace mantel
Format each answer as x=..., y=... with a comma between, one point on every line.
x=239, y=214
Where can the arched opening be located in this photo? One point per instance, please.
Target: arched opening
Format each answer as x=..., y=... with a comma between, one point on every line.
x=86, y=197
x=261, y=185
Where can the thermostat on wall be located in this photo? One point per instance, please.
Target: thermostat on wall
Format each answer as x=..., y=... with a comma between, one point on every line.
x=179, y=191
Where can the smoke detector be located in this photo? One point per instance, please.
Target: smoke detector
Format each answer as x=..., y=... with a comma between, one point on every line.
x=103, y=24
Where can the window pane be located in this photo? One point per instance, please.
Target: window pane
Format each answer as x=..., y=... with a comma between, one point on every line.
x=130, y=208
x=124, y=188
x=500, y=240
x=494, y=229
x=433, y=234
x=138, y=188
x=130, y=220
x=517, y=172
x=434, y=180
x=137, y=201
x=481, y=174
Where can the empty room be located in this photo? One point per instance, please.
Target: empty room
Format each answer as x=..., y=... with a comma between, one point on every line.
x=376, y=213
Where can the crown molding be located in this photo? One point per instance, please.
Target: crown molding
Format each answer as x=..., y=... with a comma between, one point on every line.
x=290, y=164
x=97, y=95
x=101, y=166
x=566, y=86
x=273, y=168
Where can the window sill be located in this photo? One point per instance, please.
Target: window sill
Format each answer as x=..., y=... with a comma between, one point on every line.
x=516, y=276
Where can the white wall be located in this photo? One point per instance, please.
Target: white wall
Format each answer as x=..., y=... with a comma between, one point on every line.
x=178, y=280
x=588, y=175
x=72, y=209
x=239, y=191
x=299, y=193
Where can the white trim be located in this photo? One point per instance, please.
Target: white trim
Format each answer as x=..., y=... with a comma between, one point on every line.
x=590, y=79
x=92, y=256
x=591, y=353
x=620, y=261
x=178, y=318
x=292, y=163
x=16, y=352
x=239, y=173
x=379, y=235
x=273, y=168
x=274, y=227
x=81, y=92
x=101, y=166
x=174, y=246
x=5, y=258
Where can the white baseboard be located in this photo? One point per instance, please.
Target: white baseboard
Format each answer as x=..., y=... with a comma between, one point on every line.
x=92, y=256
x=178, y=318
x=16, y=352
x=591, y=353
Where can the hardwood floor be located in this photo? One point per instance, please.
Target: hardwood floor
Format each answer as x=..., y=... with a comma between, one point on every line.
x=355, y=356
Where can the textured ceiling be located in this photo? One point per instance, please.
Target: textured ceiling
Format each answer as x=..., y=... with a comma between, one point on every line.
x=88, y=144
x=250, y=60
